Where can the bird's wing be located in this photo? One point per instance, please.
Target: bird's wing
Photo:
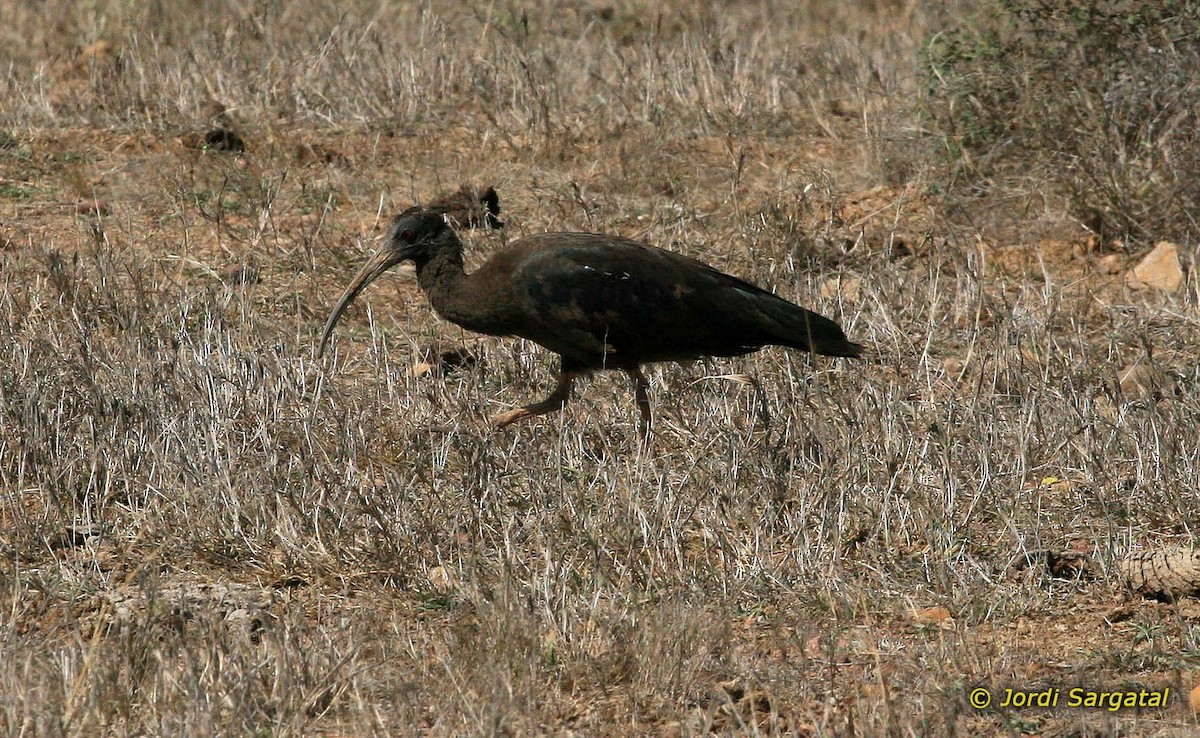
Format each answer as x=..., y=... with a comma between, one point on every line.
x=617, y=299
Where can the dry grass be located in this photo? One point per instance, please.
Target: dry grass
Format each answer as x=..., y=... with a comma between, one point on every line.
x=1093, y=101
x=207, y=532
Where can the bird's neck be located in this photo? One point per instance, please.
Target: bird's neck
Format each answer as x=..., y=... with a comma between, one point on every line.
x=443, y=279
x=452, y=292
x=442, y=270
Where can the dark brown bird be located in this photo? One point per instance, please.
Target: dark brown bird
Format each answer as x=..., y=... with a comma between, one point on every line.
x=599, y=302
x=469, y=207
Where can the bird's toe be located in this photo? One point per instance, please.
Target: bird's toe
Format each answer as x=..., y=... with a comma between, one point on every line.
x=510, y=417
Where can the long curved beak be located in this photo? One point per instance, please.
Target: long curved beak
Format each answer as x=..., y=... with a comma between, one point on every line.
x=381, y=261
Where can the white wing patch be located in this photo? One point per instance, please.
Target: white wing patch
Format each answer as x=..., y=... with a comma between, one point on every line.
x=621, y=276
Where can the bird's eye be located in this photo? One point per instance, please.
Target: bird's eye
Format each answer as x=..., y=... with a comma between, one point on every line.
x=407, y=235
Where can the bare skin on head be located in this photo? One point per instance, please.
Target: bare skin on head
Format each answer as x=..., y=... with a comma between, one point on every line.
x=599, y=302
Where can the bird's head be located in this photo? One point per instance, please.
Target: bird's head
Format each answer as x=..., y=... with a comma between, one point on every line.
x=414, y=235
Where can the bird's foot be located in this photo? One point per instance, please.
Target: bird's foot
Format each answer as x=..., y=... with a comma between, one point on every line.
x=512, y=416
x=551, y=404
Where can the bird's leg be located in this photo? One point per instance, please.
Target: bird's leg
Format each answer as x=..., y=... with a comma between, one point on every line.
x=555, y=402
x=643, y=399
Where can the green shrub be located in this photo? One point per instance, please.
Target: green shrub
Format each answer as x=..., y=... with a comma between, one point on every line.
x=1097, y=97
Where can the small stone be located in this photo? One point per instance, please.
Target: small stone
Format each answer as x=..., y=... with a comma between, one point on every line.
x=938, y=614
x=1194, y=699
x=1088, y=245
x=92, y=207
x=441, y=578
x=96, y=54
x=316, y=153
x=1141, y=381
x=825, y=646
x=673, y=729
x=953, y=367
x=1111, y=263
x=848, y=288
x=1158, y=270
